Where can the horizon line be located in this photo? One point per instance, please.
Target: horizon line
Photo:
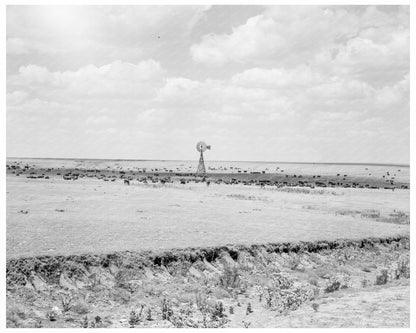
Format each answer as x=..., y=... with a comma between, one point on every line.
x=167, y=160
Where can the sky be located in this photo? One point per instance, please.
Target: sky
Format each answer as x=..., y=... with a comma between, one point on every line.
x=257, y=83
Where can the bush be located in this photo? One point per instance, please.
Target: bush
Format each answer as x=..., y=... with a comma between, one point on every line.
x=365, y=283
x=336, y=283
x=382, y=278
x=167, y=311
x=218, y=311
x=402, y=270
x=136, y=316
x=201, y=300
x=287, y=299
x=333, y=286
x=66, y=301
x=230, y=278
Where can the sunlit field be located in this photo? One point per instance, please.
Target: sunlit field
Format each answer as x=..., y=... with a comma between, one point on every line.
x=55, y=216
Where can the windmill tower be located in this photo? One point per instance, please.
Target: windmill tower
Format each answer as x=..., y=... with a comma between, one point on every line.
x=201, y=147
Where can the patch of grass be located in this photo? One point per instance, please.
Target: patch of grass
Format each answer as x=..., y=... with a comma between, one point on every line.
x=397, y=217
x=121, y=295
x=347, y=212
x=15, y=316
x=370, y=214
x=201, y=300
x=245, y=197
x=313, y=282
x=293, y=262
x=80, y=307
x=303, y=190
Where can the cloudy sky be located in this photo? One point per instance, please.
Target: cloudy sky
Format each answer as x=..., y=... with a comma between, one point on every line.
x=280, y=83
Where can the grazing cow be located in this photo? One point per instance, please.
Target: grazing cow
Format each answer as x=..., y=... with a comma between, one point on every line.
x=126, y=182
x=208, y=182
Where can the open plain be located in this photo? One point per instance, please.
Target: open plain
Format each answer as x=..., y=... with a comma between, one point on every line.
x=124, y=246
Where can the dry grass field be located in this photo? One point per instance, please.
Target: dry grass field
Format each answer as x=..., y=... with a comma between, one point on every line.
x=54, y=216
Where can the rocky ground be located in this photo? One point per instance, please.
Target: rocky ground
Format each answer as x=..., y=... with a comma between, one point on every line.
x=357, y=283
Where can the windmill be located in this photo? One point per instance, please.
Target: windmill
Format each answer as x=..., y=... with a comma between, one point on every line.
x=201, y=147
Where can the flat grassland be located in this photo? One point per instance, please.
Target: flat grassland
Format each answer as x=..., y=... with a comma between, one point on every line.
x=90, y=251
x=55, y=216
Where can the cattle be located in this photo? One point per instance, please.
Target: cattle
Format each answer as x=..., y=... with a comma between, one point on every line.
x=126, y=182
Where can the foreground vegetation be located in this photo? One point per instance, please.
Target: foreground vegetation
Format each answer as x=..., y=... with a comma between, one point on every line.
x=231, y=286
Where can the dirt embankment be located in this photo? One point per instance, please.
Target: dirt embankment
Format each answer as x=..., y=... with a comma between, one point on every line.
x=228, y=286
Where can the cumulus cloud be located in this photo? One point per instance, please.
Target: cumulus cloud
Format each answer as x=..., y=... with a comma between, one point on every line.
x=277, y=77
x=353, y=39
x=115, y=79
x=305, y=83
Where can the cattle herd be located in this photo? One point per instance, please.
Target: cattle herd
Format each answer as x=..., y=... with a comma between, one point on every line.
x=222, y=175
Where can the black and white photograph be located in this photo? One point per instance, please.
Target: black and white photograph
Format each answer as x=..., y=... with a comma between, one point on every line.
x=207, y=165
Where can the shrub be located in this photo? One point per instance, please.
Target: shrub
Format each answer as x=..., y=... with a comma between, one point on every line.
x=200, y=300
x=167, y=310
x=66, y=301
x=149, y=315
x=333, y=286
x=136, y=316
x=287, y=299
x=282, y=280
x=218, y=311
x=230, y=278
x=402, y=270
x=249, y=309
x=382, y=278
x=84, y=322
x=336, y=283
x=365, y=283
